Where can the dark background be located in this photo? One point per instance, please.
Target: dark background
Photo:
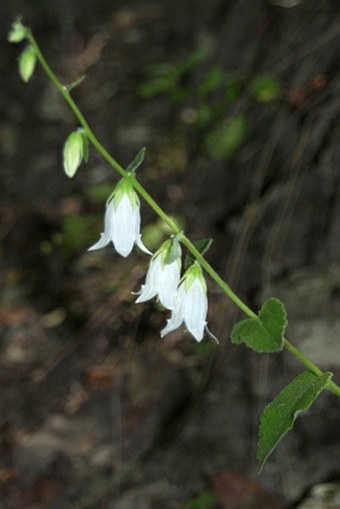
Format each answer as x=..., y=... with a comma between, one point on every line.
x=238, y=105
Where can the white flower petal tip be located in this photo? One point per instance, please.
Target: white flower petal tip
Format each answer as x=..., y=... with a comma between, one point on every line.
x=122, y=221
x=162, y=278
x=141, y=246
x=102, y=242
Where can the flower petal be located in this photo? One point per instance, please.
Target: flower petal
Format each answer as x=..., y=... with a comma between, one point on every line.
x=195, y=307
x=141, y=245
x=149, y=290
x=124, y=233
x=168, y=283
x=108, y=227
x=176, y=318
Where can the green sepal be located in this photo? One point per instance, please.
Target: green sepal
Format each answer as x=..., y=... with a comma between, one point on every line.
x=124, y=187
x=85, y=148
x=202, y=246
x=265, y=333
x=137, y=161
x=279, y=416
x=170, y=251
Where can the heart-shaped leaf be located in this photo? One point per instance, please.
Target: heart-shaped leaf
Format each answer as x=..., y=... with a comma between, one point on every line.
x=279, y=416
x=265, y=333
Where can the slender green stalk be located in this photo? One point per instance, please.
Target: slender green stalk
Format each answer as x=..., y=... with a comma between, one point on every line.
x=161, y=213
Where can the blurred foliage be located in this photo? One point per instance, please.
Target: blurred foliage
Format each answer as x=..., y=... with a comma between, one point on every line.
x=210, y=95
x=223, y=140
x=77, y=233
x=100, y=192
x=153, y=235
x=204, y=500
x=168, y=78
x=265, y=88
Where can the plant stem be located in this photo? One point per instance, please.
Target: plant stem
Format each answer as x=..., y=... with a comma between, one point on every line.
x=161, y=213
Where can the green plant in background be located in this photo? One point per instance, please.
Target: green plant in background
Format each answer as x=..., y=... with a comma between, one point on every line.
x=210, y=98
x=263, y=332
x=204, y=500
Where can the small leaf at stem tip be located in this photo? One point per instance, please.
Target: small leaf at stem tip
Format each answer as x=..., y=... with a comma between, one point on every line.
x=137, y=161
x=18, y=32
x=279, y=416
x=74, y=83
x=265, y=333
x=202, y=246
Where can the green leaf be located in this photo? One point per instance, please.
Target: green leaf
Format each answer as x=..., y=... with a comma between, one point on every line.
x=204, y=500
x=202, y=246
x=265, y=88
x=197, y=57
x=212, y=81
x=228, y=137
x=265, y=333
x=75, y=83
x=279, y=416
x=137, y=161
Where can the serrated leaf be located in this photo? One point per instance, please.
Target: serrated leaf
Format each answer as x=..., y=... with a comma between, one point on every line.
x=137, y=161
x=202, y=246
x=279, y=416
x=265, y=333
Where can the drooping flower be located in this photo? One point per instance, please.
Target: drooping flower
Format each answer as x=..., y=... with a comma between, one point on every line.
x=75, y=151
x=122, y=220
x=191, y=304
x=163, y=275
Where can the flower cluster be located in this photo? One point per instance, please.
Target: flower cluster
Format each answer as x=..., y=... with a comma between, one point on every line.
x=185, y=297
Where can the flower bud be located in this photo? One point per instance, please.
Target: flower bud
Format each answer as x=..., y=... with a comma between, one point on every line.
x=75, y=150
x=27, y=61
x=17, y=33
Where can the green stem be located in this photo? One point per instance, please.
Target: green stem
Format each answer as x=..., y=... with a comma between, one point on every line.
x=310, y=365
x=161, y=213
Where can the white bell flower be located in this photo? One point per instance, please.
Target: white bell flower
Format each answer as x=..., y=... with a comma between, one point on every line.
x=191, y=304
x=122, y=220
x=163, y=276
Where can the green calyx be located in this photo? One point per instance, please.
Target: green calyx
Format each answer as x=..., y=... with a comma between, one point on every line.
x=170, y=251
x=124, y=187
x=192, y=273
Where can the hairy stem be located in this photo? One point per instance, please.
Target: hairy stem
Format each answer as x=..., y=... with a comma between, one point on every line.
x=162, y=214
